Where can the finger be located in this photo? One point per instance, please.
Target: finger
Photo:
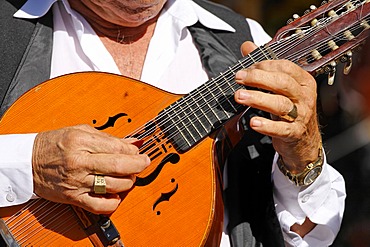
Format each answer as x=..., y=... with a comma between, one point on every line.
x=286, y=67
x=276, y=82
x=117, y=165
x=94, y=141
x=99, y=204
x=247, y=47
x=290, y=132
x=273, y=103
x=114, y=185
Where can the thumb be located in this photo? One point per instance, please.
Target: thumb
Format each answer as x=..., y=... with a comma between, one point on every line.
x=247, y=47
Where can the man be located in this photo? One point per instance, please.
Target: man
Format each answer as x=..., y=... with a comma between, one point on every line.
x=150, y=41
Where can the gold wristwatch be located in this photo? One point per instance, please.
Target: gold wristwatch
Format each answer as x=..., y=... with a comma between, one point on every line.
x=309, y=174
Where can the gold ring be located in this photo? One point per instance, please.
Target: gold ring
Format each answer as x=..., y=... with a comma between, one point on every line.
x=292, y=115
x=99, y=185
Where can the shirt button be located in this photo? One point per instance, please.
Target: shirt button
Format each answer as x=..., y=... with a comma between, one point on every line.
x=305, y=198
x=10, y=197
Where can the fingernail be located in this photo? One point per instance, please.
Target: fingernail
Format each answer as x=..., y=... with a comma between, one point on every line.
x=243, y=95
x=256, y=123
x=240, y=75
x=148, y=161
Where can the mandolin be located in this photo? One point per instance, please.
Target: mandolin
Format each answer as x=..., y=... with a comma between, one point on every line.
x=177, y=200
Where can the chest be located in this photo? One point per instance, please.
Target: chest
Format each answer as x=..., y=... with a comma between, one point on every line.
x=129, y=56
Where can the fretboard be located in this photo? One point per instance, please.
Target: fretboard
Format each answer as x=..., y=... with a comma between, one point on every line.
x=316, y=42
x=206, y=108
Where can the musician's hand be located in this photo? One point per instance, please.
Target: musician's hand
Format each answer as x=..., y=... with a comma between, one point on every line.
x=65, y=162
x=285, y=85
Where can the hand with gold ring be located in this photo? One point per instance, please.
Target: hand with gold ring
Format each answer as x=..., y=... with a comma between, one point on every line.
x=288, y=93
x=82, y=166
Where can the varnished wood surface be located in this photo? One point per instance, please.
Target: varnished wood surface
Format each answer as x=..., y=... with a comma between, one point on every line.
x=186, y=219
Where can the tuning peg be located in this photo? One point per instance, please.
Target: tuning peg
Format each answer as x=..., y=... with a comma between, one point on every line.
x=323, y=3
x=348, y=34
x=349, y=6
x=333, y=45
x=365, y=24
x=347, y=58
x=289, y=21
x=332, y=13
x=314, y=22
x=316, y=54
x=312, y=8
x=295, y=17
x=330, y=69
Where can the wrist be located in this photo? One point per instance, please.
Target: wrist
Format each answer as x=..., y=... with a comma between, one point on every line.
x=309, y=172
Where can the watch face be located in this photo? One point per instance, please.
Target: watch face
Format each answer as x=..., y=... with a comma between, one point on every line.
x=312, y=175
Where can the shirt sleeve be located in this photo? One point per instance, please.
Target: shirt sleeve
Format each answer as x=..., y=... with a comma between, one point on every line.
x=322, y=202
x=16, y=179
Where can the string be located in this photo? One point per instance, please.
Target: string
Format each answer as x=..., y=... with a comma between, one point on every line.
x=30, y=231
x=259, y=58
x=222, y=80
x=43, y=216
x=60, y=227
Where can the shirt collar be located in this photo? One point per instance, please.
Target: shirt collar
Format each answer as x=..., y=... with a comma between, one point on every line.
x=186, y=11
x=33, y=9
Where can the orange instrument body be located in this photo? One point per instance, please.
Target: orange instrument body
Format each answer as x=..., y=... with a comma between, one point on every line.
x=177, y=200
x=185, y=217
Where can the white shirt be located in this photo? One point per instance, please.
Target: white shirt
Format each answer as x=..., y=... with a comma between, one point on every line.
x=170, y=48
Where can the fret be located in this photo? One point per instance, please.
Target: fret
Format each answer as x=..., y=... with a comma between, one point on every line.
x=251, y=57
x=227, y=87
x=221, y=115
x=189, y=121
x=271, y=52
x=241, y=64
x=232, y=70
x=186, y=122
x=199, y=116
x=210, y=123
x=224, y=95
x=210, y=113
x=178, y=135
x=264, y=54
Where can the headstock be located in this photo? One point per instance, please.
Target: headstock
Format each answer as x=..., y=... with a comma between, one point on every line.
x=324, y=36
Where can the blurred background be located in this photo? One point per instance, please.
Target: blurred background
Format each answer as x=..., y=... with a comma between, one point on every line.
x=345, y=128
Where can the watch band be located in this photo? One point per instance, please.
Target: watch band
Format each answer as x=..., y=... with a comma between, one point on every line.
x=308, y=175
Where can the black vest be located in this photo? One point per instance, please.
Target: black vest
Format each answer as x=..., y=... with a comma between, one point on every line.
x=26, y=47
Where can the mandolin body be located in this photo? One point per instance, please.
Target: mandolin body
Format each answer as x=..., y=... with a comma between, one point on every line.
x=176, y=203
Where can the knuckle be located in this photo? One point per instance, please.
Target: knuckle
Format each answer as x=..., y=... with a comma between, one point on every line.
x=284, y=82
x=282, y=106
x=70, y=135
x=125, y=148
